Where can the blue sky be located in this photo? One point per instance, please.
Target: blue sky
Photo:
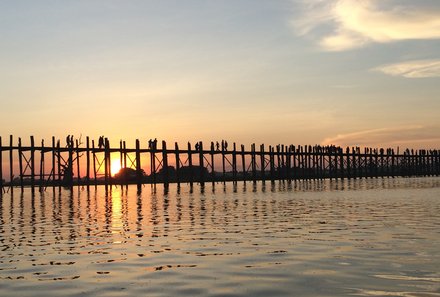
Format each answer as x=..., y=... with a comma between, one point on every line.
x=337, y=71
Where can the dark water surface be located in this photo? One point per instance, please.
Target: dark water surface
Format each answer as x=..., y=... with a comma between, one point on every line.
x=376, y=237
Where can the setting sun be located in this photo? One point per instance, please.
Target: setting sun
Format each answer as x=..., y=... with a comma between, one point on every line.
x=115, y=166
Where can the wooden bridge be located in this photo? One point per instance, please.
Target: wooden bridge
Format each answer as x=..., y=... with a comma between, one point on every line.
x=87, y=164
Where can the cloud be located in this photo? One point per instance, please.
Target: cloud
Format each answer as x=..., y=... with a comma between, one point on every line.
x=412, y=69
x=355, y=23
x=405, y=136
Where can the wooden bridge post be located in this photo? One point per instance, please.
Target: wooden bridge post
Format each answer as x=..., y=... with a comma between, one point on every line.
x=254, y=163
x=290, y=163
x=307, y=162
x=272, y=163
x=78, y=172
x=393, y=163
x=201, y=164
x=106, y=163
x=223, y=163
x=153, y=161
x=41, y=182
x=313, y=166
x=437, y=152
x=283, y=162
x=234, y=163
x=125, y=154
x=20, y=163
x=243, y=163
x=278, y=157
x=94, y=164
x=341, y=163
x=11, y=163
x=294, y=162
x=139, y=176
x=353, y=163
x=262, y=163
x=191, y=169
x=166, y=177
x=121, y=159
x=430, y=162
x=53, y=160
x=59, y=164
x=176, y=152
x=301, y=161
x=88, y=162
x=212, y=164
x=32, y=165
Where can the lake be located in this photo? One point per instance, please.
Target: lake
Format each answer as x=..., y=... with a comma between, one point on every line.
x=370, y=237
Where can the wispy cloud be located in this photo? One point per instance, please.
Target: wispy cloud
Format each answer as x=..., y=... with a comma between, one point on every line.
x=413, y=136
x=412, y=69
x=355, y=23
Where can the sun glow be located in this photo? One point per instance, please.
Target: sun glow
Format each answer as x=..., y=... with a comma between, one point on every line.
x=115, y=166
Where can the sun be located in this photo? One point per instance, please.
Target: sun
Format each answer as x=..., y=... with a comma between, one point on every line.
x=115, y=166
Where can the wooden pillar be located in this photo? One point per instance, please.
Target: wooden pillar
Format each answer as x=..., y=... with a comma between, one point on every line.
x=312, y=163
x=212, y=164
x=125, y=154
x=70, y=164
x=201, y=164
x=191, y=169
x=11, y=163
x=94, y=164
x=393, y=163
x=347, y=156
x=243, y=163
x=59, y=164
x=353, y=163
x=53, y=161
x=78, y=172
x=272, y=163
x=254, y=163
x=262, y=163
x=278, y=157
x=121, y=154
x=106, y=164
x=307, y=164
x=166, y=176
x=138, y=167
x=437, y=162
x=294, y=164
x=20, y=163
x=223, y=163
x=283, y=162
x=177, y=154
x=234, y=163
x=32, y=165
x=341, y=163
x=88, y=162
x=288, y=162
x=301, y=161
x=153, y=161
x=41, y=182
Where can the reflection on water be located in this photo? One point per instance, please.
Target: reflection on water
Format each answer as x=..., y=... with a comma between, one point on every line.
x=376, y=237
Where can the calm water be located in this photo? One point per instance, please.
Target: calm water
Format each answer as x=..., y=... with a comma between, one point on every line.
x=377, y=237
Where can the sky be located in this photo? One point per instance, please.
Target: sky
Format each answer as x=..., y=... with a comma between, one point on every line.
x=343, y=72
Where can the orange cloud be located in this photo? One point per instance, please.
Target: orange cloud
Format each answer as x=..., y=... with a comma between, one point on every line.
x=406, y=136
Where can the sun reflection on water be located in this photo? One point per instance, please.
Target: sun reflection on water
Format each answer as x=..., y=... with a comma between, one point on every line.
x=117, y=219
